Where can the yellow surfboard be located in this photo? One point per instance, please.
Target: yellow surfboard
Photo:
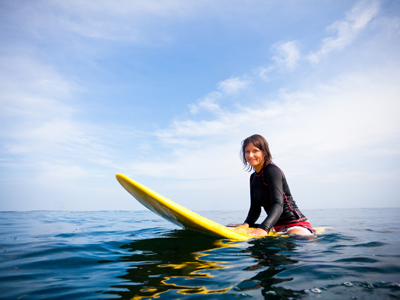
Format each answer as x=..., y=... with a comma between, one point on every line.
x=176, y=213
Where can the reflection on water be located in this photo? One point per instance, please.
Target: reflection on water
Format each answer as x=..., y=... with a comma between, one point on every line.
x=177, y=262
x=187, y=263
x=272, y=257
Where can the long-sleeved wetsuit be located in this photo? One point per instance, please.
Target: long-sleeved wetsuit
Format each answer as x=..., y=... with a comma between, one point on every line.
x=270, y=190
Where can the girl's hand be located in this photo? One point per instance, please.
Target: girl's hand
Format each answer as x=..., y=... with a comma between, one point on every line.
x=259, y=232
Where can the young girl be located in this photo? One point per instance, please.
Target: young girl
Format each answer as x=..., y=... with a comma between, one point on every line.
x=269, y=189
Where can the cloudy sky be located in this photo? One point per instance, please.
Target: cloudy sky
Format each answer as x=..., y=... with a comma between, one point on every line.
x=165, y=91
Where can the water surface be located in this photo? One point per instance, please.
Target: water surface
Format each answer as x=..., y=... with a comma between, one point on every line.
x=138, y=255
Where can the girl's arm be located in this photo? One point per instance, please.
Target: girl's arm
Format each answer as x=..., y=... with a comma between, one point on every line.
x=274, y=179
x=255, y=209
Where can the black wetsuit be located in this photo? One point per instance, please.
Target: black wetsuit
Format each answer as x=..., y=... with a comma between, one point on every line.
x=270, y=190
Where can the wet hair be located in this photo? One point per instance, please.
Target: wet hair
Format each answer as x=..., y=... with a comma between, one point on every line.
x=259, y=142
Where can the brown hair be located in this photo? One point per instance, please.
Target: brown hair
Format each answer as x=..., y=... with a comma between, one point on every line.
x=262, y=144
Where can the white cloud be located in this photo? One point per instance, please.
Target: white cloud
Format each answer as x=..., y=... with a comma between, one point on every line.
x=345, y=114
x=228, y=87
x=348, y=29
x=321, y=134
x=209, y=103
x=104, y=20
x=232, y=86
x=263, y=73
x=288, y=54
x=39, y=125
x=140, y=22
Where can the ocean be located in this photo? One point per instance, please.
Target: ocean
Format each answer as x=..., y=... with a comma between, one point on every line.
x=138, y=255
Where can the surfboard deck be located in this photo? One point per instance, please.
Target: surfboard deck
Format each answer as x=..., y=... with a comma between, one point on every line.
x=176, y=213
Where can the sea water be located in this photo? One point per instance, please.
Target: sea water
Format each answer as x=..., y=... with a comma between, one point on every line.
x=138, y=255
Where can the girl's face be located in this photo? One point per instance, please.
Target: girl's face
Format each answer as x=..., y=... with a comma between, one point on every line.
x=254, y=157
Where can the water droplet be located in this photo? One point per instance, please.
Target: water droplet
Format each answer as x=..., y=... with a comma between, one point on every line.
x=347, y=283
x=316, y=291
x=271, y=293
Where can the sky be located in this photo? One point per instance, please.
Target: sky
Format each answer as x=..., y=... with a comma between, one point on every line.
x=165, y=92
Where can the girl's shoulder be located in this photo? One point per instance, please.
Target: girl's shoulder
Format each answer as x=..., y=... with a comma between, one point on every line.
x=273, y=170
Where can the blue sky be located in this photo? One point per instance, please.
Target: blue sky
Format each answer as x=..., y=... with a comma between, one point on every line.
x=165, y=91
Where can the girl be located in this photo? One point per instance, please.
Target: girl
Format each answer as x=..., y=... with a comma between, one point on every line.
x=269, y=189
